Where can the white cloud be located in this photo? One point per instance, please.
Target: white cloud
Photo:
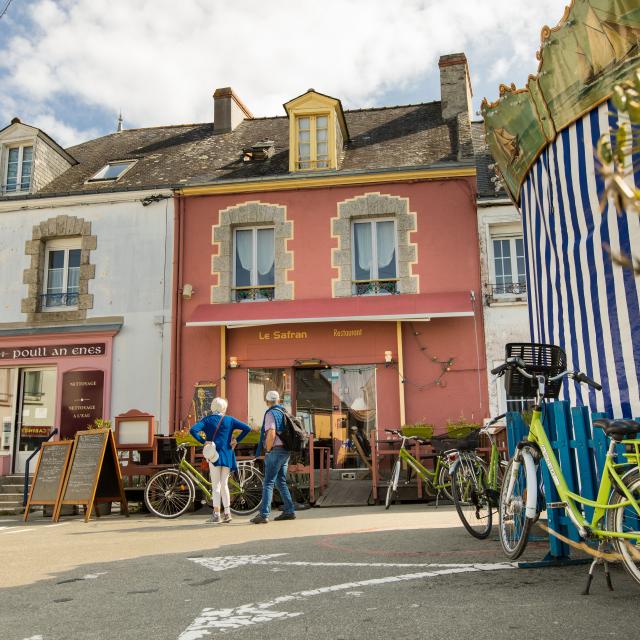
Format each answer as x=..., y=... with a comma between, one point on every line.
x=160, y=60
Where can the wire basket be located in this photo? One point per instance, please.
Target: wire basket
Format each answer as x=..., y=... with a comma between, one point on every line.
x=548, y=360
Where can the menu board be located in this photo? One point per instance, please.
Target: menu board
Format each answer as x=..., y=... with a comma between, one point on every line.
x=49, y=474
x=203, y=394
x=94, y=473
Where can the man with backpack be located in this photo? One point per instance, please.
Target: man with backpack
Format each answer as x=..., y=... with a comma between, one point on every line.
x=276, y=460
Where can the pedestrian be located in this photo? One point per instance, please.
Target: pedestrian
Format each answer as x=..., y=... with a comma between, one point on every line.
x=276, y=461
x=219, y=429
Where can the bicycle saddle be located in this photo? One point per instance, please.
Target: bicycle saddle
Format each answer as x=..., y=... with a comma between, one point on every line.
x=618, y=429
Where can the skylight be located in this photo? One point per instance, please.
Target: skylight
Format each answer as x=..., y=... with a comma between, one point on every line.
x=112, y=171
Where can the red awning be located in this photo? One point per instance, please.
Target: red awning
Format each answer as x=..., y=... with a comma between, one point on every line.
x=422, y=306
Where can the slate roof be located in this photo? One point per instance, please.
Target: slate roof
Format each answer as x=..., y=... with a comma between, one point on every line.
x=484, y=169
x=381, y=138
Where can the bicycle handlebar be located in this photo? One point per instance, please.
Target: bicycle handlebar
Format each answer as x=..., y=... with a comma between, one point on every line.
x=520, y=365
x=583, y=377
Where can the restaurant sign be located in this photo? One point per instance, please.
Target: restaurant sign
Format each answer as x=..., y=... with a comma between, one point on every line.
x=53, y=351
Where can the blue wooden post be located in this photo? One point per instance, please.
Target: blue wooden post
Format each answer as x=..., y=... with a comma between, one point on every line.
x=584, y=446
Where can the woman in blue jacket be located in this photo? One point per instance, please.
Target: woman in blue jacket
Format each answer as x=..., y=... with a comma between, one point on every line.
x=219, y=429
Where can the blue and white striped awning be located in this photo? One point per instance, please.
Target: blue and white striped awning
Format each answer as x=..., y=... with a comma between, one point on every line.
x=578, y=298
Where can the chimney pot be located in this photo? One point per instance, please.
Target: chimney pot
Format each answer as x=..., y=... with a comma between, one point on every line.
x=228, y=110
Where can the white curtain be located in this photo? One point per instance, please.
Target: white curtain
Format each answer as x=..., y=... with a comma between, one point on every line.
x=362, y=242
x=386, y=244
x=244, y=257
x=266, y=256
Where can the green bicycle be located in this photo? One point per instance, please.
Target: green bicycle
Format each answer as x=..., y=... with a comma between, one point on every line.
x=170, y=492
x=475, y=486
x=616, y=517
x=435, y=481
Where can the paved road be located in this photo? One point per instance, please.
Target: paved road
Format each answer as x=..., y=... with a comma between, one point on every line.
x=331, y=574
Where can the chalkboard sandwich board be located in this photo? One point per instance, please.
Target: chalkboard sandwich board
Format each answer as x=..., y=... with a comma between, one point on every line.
x=49, y=475
x=93, y=473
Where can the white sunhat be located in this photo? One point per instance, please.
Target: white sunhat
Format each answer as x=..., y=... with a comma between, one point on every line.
x=272, y=396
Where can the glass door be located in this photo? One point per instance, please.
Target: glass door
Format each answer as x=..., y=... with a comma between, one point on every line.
x=338, y=404
x=354, y=413
x=36, y=412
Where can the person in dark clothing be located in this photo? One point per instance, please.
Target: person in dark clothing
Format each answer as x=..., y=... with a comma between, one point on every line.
x=219, y=429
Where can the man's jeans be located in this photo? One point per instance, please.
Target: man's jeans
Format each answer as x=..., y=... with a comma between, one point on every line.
x=275, y=473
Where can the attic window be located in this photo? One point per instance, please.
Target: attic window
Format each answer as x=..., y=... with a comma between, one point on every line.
x=112, y=171
x=313, y=142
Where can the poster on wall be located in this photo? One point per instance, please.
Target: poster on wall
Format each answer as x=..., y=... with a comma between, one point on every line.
x=203, y=394
x=82, y=397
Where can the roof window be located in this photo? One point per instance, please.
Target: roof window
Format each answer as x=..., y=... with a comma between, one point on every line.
x=112, y=171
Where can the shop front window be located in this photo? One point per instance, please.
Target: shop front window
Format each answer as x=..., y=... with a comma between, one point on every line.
x=261, y=381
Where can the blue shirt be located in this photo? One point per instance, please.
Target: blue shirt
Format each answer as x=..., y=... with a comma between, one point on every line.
x=221, y=436
x=279, y=421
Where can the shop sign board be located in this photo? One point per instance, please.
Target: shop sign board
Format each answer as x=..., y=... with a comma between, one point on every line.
x=27, y=431
x=93, y=473
x=82, y=393
x=203, y=394
x=53, y=351
x=49, y=474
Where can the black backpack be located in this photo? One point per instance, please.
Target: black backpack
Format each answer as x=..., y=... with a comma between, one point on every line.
x=293, y=435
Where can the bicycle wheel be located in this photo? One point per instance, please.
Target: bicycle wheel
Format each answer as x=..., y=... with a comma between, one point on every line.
x=245, y=489
x=468, y=486
x=514, y=524
x=393, y=484
x=444, y=479
x=169, y=493
x=625, y=519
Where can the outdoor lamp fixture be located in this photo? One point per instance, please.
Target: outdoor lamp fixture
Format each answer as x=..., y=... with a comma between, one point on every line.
x=187, y=291
x=388, y=357
x=233, y=362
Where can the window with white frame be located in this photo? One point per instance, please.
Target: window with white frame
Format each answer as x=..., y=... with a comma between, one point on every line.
x=375, y=269
x=112, y=171
x=61, y=274
x=18, y=168
x=510, y=277
x=254, y=263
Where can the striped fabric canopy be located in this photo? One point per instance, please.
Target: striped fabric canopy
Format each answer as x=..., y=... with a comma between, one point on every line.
x=578, y=298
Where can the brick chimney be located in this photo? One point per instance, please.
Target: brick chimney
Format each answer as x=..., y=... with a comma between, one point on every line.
x=228, y=110
x=455, y=86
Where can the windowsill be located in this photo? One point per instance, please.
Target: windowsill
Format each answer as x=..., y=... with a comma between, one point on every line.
x=507, y=302
x=19, y=192
x=58, y=309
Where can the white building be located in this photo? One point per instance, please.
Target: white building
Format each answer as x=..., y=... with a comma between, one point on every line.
x=503, y=270
x=86, y=246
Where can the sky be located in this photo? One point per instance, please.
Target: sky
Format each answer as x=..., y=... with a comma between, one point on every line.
x=70, y=66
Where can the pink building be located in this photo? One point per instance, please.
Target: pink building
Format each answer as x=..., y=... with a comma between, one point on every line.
x=333, y=255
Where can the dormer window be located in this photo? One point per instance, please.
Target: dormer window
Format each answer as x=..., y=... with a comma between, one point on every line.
x=317, y=132
x=112, y=171
x=313, y=142
x=19, y=168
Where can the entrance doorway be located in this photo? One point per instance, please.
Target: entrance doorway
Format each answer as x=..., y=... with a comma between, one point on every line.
x=338, y=404
x=35, y=415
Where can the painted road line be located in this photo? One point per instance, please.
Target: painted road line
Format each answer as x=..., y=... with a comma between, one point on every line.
x=211, y=620
x=59, y=524
x=21, y=530
x=222, y=563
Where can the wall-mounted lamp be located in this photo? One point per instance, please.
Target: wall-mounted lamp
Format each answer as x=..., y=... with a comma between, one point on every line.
x=233, y=362
x=388, y=357
x=187, y=291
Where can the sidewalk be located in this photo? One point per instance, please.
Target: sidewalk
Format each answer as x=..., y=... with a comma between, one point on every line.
x=38, y=549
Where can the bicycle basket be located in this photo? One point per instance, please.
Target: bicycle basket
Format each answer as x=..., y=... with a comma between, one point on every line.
x=541, y=359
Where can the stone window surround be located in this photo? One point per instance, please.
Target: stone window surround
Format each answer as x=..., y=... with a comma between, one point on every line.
x=371, y=206
x=249, y=214
x=52, y=229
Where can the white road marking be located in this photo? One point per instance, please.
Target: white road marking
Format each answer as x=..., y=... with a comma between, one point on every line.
x=59, y=524
x=35, y=638
x=93, y=576
x=21, y=530
x=222, y=563
x=211, y=620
